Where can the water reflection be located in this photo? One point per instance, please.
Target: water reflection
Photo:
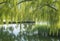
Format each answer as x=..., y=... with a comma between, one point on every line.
x=24, y=32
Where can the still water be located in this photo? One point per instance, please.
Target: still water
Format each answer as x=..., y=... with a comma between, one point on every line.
x=23, y=32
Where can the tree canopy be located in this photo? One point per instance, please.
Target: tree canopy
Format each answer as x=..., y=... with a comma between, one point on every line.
x=34, y=10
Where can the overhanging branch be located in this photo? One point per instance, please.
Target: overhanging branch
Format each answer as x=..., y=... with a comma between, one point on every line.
x=17, y=3
x=31, y=0
x=2, y=2
x=48, y=6
x=51, y=7
x=23, y=1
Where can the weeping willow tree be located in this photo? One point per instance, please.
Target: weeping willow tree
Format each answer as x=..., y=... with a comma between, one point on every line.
x=25, y=10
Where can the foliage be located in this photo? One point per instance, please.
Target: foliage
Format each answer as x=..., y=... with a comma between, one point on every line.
x=34, y=10
x=19, y=10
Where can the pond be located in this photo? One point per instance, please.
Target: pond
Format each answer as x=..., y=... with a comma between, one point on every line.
x=24, y=32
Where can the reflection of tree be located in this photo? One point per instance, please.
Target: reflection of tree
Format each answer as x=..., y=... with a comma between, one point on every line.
x=38, y=33
x=6, y=36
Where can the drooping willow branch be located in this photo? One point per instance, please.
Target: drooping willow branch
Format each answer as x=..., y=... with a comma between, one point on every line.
x=51, y=7
x=43, y=5
x=2, y=2
x=23, y=1
x=31, y=0
x=17, y=3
